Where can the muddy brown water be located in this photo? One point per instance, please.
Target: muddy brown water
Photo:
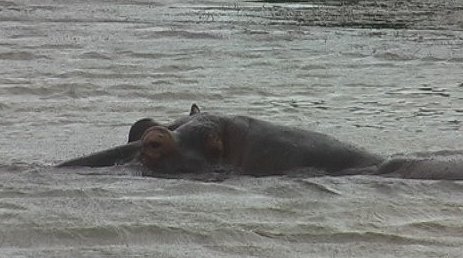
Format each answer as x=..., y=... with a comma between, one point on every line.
x=74, y=75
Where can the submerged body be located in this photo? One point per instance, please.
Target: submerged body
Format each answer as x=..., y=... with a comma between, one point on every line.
x=203, y=142
x=251, y=146
x=442, y=165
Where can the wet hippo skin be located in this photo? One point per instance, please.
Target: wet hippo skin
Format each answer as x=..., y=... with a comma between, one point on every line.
x=128, y=152
x=252, y=146
x=138, y=128
x=203, y=142
x=437, y=165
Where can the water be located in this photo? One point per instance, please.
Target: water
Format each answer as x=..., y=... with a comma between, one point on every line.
x=76, y=74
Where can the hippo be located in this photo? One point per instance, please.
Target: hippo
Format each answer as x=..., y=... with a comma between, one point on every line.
x=129, y=152
x=440, y=165
x=252, y=146
x=203, y=142
x=138, y=128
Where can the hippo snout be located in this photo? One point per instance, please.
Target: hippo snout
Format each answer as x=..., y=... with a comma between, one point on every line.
x=158, y=145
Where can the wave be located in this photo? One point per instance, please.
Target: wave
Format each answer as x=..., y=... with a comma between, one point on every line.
x=21, y=56
x=94, y=55
x=178, y=33
x=351, y=237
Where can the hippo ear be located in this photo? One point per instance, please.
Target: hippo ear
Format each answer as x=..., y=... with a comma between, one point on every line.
x=194, y=110
x=214, y=146
x=138, y=128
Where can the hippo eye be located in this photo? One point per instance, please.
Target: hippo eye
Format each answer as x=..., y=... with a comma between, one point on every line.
x=155, y=145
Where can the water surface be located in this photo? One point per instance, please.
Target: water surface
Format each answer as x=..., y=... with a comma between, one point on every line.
x=76, y=74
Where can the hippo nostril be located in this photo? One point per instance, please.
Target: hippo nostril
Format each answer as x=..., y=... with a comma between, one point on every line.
x=155, y=145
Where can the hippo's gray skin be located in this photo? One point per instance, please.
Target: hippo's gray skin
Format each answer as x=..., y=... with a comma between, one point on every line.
x=202, y=141
x=129, y=152
x=252, y=146
x=440, y=165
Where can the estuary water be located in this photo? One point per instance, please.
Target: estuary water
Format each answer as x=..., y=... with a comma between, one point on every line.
x=74, y=75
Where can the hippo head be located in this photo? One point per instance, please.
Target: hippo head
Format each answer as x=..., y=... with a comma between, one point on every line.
x=186, y=150
x=158, y=147
x=139, y=128
x=153, y=156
